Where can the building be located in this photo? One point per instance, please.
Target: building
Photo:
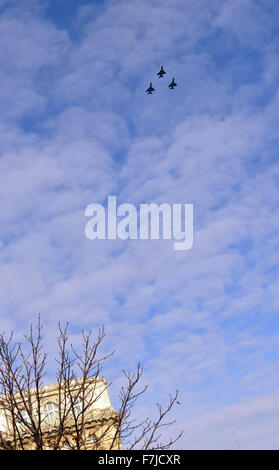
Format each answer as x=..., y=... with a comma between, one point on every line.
x=72, y=415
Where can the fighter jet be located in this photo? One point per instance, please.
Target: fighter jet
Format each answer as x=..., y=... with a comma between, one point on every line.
x=150, y=89
x=172, y=84
x=161, y=73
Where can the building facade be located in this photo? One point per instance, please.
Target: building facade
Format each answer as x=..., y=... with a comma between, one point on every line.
x=73, y=415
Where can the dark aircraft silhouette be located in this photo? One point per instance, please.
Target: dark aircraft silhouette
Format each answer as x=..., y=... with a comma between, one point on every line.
x=172, y=84
x=161, y=73
x=150, y=89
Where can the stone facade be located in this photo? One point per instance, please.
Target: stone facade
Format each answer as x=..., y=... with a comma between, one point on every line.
x=97, y=418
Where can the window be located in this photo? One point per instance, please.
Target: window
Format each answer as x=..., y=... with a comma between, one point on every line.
x=77, y=407
x=25, y=416
x=66, y=447
x=92, y=439
x=50, y=412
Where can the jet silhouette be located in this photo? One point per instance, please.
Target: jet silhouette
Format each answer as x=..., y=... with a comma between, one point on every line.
x=150, y=89
x=172, y=84
x=161, y=73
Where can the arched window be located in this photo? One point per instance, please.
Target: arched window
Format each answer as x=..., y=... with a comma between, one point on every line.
x=50, y=412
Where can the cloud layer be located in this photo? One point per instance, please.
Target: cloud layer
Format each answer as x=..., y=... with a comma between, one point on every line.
x=76, y=127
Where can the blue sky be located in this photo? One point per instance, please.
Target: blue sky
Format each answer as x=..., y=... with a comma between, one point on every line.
x=77, y=126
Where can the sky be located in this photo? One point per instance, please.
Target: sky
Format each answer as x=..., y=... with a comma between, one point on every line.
x=76, y=126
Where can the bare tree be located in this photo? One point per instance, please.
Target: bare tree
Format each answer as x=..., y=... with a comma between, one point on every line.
x=28, y=420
